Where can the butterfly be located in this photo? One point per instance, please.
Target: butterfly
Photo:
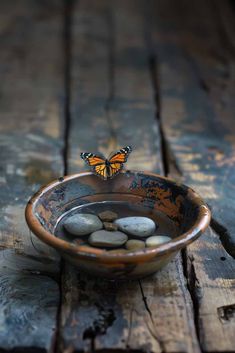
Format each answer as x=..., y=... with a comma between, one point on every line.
x=107, y=168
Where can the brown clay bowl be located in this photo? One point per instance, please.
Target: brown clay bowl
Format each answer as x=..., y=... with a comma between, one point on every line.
x=175, y=203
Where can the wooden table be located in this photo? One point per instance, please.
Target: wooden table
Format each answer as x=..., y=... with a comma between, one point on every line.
x=92, y=75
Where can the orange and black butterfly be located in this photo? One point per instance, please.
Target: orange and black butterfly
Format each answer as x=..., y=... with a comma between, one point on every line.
x=107, y=168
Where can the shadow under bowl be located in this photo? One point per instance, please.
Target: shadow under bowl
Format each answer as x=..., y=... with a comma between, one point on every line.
x=177, y=203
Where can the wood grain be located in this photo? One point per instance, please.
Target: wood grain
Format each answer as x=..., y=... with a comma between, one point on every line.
x=31, y=108
x=196, y=79
x=157, y=76
x=112, y=105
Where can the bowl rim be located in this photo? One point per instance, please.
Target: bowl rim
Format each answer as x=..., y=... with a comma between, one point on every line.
x=201, y=223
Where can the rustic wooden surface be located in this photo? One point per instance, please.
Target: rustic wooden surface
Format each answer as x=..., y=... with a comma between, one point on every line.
x=197, y=119
x=31, y=112
x=94, y=76
x=112, y=104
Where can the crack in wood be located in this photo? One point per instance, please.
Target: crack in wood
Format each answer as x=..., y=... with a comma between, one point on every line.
x=168, y=160
x=222, y=27
x=192, y=285
x=130, y=327
x=203, y=84
x=144, y=298
x=223, y=234
x=111, y=76
x=106, y=318
x=68, y=7
x=154, y=76
x=153, y=333
x=66, y=43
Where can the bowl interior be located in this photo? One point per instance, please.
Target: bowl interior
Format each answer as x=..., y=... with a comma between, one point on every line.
x=175, y=207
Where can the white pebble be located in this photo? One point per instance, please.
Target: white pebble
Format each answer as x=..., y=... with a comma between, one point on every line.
x=137, y=226
x=157, y=240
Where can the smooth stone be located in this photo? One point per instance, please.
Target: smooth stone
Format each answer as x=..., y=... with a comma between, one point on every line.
x=134, y=244
x=110, y=226
x=104, y=238
x=137, y=226
x=83, y=224
x=107, y=216
x=157, y=240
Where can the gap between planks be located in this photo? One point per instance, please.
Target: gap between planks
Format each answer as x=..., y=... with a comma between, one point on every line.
x=66, y=44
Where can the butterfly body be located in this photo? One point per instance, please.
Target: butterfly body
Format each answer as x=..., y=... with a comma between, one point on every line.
x=107, y=168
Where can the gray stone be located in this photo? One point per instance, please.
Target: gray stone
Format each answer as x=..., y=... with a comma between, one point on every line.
x=104, y=238
x=82, y=224
x=157, y=240
x=134, y=244
x=137, y=226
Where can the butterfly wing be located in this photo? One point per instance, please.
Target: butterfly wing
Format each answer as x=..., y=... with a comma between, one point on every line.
x=107, y=169
x=121, y=155
x=97, y=163
x=102, y=171
x=117, y=159
x=114, y=168
x=92, y=159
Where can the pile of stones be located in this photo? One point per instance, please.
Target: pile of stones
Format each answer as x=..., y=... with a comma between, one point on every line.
x=107, y=231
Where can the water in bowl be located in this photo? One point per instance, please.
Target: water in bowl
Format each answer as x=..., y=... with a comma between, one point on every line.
x=123, y=209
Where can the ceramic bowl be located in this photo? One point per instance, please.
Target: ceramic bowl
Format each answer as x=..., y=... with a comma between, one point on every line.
x=175, y=202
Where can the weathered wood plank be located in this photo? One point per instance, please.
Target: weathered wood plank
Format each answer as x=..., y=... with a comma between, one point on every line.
x=112, y=105
x=31, y=111
x=196, y=78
